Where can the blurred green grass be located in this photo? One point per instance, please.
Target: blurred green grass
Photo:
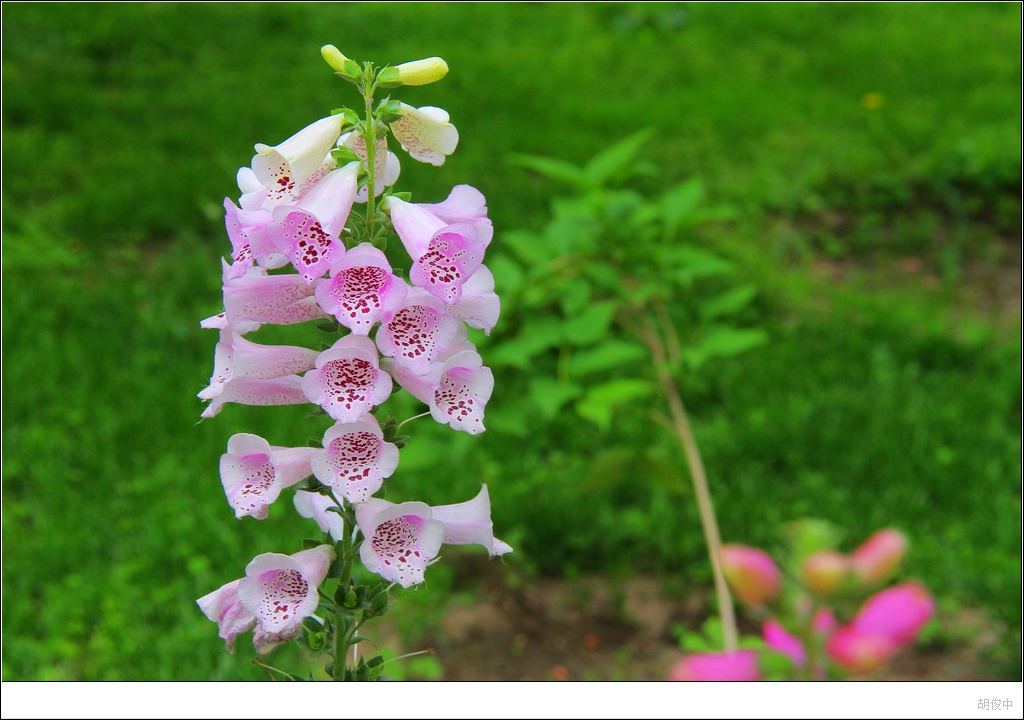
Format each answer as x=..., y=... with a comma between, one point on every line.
x=881, y=399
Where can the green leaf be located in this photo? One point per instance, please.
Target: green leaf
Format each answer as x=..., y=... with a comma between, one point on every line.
x=600, y=402
x=591, y=325
x=722, y=341
x=538, y=336
x=615, y=161
x=679, y=204
x=728, y=303
x=689, y=263
x=575, y=295
x=508, y=276
x=609, y=355
x=553, y=169
x=549, y=395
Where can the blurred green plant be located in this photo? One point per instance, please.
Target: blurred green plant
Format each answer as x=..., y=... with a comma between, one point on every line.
x=614, y=290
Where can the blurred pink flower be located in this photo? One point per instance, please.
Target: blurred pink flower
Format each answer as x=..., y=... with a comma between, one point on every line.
x=751, y=573
x=879, y=555
x=738, y=666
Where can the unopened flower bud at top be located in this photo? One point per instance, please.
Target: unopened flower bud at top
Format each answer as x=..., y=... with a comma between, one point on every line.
x=751, y=573
x=879, y=556
x=422, y=72
x=823, y=572
x=339, y=63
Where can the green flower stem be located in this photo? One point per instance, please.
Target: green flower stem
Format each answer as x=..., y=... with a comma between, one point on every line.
x=681, y=425
x=810, y=641
x=343, y=638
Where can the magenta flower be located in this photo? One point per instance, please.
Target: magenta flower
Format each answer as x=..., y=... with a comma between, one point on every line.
x=456, y=388
x=469, y=523
x=897, y=613
x=362, y=289
x=285, y=390
x=317, y=507
x=254, y=473
x=289, y=169
x=281, y=590
x=223, y=607
x=257, y=298
x=417, y=332
x=738, y=666
x=347, y=381
x=444, y=255
x=751, y=574
x=887, y=622
x=859, y=652
x=779, y=639
x=425, y=133
x=879, y=556
x=400, y=540
x=355, y=459
x=307, y=233
x=237, y=358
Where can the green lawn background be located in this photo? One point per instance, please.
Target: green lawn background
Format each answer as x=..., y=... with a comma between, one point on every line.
x=885, y=242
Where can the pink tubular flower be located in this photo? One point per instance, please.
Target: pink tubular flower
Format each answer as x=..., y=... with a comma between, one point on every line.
x=362, y=289
x=400, y=540
x=738, y=666
x=897, y=613
x=456, y=388
x=254, y=473
x=347, y=381
x=479, y=305
x=307, y=233
x=425, y=133
x=444, y=255
x=256, y=298
x=464, y=204
x=858, y=652
x=237, y=358
x=751, y=573
x=417, y=332
x=317, y=507
x=250, y=239
x=355, y=459
x=780, y=640
x=285, y=390
x=281, y=590
x=469, y=523
x=289, y=169
x=876, y=559
x=887, y=622
x=223, y=607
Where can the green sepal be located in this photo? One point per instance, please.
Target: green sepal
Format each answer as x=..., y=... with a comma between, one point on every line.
x=404, y=196
x=329, y=325
x=344, y=155
x=314, y=443
x=389, y=78
x=310, y=543
x=351, y=71
x=389, y=110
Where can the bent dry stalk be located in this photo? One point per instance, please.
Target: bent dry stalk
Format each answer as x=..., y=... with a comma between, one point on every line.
x=320, y=207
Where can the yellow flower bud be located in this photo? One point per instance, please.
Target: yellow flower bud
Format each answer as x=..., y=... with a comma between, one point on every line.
x=334, y=57
x=342, y=65
x=422, y=72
